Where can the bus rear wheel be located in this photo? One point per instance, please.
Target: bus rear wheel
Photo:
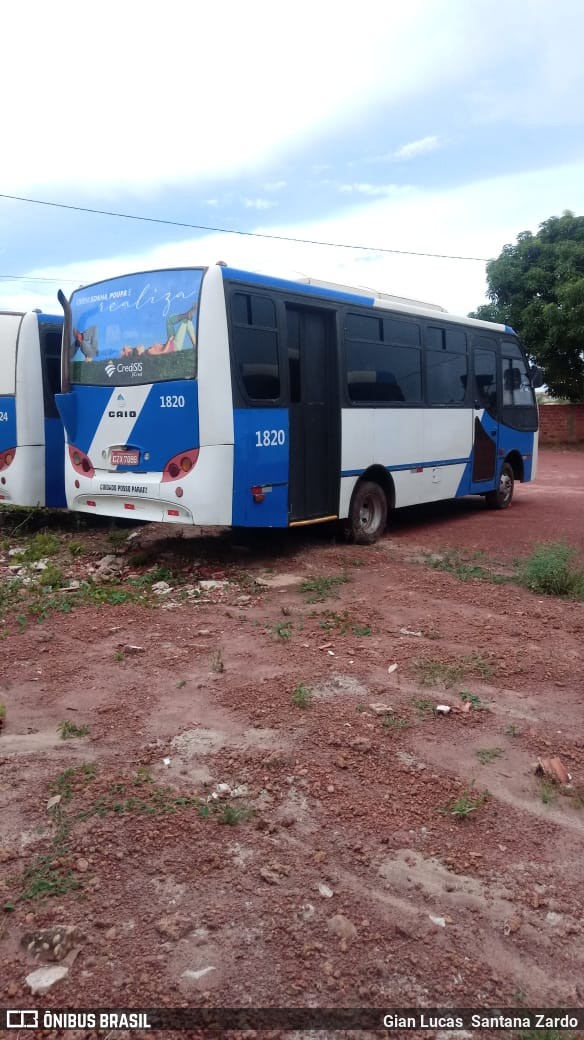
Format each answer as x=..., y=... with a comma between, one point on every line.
x=368, y=513
x=501, y=497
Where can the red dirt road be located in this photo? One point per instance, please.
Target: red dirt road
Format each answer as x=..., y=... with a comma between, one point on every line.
x=364, y=851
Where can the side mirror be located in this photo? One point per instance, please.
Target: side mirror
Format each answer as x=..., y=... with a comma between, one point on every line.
x=537, y=378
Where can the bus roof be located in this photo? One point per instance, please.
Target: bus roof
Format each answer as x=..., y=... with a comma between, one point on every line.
x=353, y=294
x=320, y=289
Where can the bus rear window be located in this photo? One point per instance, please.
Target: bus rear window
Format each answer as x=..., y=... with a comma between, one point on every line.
x=137, y=329
x=9, y=325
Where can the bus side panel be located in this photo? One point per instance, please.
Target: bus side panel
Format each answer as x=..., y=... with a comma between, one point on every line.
x=508, y=440
x=55, y=497
x=389, y=437
x=261, y=460
x=523, y=442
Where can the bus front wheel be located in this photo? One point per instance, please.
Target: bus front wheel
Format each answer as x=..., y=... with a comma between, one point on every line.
x=501, y=497
x=368, y=513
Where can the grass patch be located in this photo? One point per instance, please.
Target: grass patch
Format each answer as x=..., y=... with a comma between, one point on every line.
x=466, y=568
x=547, y=790
x=551, y=570
x=319, y=589
x=301, y=696
x=217, y=662
x=231, y=815
x=473, y=699
x=393, y=723
x=72, y=780
x=448, y=673
x=466, y=803
x=41, y=545
x=282, y=631
x=77, y=549
x=115, y=596
x=48, y=874
x=153, y=576
x=52, y=577
x=486, y=755
x=424, y=707
x=69, y=729
x=361, y=630
x=45, y=877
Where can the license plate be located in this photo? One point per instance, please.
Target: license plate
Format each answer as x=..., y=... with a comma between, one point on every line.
x=125, y=458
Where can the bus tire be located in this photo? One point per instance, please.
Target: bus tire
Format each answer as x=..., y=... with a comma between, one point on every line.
x=501, y=497
x=368, y=513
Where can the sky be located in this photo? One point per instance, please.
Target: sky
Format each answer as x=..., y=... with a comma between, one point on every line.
x=337, y=140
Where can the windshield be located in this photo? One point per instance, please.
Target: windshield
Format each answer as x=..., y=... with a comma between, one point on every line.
x=140, y=328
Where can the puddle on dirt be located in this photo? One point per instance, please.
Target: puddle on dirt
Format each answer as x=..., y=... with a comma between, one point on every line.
x=409, y=871
x=31, y=743
x=343, y=685
x=204, y=741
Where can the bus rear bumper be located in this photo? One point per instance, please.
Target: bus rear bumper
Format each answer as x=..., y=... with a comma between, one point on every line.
x=133, y=507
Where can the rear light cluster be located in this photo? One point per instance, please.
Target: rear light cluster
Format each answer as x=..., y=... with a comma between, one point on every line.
x=6, y=457
x=180, y=465
x=81, y=462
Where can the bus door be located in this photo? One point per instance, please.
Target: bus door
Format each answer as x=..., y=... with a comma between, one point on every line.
x=314, y=475
x=485, y=415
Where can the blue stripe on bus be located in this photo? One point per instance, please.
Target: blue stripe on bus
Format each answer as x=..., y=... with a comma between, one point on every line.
x=233, y=274
x=54, y=464
x=409, y=465
x=81, y=412
x=165, y=431
x=162, y=431
x=7, y=422
x=259, y=464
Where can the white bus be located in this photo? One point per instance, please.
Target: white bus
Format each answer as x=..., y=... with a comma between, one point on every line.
x=215, y=396
x=32, y=443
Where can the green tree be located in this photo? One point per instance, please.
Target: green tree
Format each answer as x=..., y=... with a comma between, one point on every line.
x=537, y=287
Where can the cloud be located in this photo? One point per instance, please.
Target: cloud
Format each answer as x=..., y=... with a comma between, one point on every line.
x=275, y=185
x=474, y=220
x=420, y=147
x=127, y=84
x=373, y=190
x=259, y=203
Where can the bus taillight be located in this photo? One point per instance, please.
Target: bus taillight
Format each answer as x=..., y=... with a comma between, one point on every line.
x=180, y=465
x=6, y=457
x=81, y=462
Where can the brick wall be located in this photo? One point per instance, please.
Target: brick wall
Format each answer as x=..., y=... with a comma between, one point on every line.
x=561, y=423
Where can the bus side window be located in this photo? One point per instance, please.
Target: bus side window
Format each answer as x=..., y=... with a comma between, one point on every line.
x=446, y=365
x=517, y=389
x=255, y=345
x=485, y=375
x=383, y=360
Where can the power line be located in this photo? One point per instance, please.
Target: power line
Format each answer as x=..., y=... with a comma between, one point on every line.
x=33, y=278
x=230, y=231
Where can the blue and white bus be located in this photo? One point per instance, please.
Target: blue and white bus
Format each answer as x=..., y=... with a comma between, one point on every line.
x=32, y=443
x=215, y=396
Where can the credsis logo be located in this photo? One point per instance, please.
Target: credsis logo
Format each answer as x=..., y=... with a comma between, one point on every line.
x=133, y=369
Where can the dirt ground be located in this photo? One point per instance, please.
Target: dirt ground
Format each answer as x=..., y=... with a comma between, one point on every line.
x=266, y=808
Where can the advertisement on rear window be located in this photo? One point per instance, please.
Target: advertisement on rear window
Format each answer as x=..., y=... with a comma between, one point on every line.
x=141, y=328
